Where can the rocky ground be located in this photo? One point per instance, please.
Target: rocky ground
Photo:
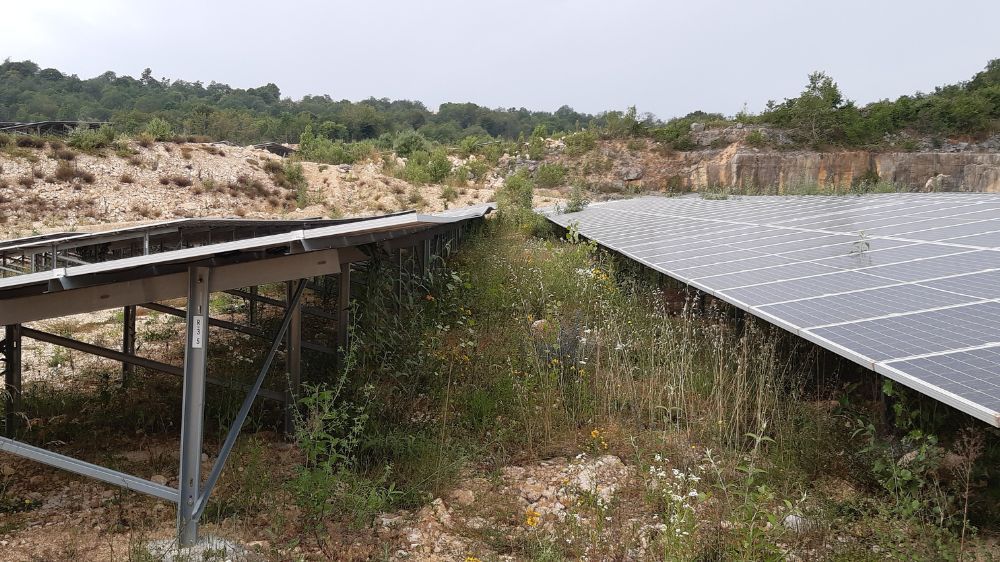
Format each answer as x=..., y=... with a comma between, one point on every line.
x=44, y=189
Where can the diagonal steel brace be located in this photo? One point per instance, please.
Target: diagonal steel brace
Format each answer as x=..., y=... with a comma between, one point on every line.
x=237, y=426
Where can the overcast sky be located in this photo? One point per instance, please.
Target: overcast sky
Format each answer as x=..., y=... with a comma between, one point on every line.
x=667, y=57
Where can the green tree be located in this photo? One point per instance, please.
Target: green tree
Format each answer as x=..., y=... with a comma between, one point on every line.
x=409, y=142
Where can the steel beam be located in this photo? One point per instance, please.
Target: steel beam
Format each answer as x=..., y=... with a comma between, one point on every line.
x=219, y=323
x=83, y=468
x=79, y=295
x=12, y=377
x=225, y=324
x=313, y=346
x=193, y=403
x=310, y=310
x=143, y=362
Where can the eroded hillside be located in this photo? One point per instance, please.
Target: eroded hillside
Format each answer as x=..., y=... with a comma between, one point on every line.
x=46, y=185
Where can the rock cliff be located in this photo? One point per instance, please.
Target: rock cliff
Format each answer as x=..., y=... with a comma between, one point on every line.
x=614, y=166
x=745, y=167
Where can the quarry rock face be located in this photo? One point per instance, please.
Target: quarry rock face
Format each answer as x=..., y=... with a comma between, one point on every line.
x=747, y=167
x=630, y=173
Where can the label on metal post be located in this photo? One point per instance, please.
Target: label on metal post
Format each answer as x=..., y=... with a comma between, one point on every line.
x=198, y=332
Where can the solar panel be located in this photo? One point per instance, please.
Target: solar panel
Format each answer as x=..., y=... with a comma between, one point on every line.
x=905, y=284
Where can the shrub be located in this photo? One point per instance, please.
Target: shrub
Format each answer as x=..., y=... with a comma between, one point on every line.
x=159, y=129
x=29, y=141
x=416, y=170
x=577, y=201
x=26, y=181
x=180, y=181
x=517, y=192
x=5, y=140
x=65, y=171
x=64, y=154
x=756, y=139
x=409, y=142
x=470, y=145
x=321, y=149
x=478, y=168
x=123, y=146
x=145, y=140
x=460, y=176
x=684, y=142
x=273, y=166
x=580, y=143
x=144, y=210
x=438, y=167
x=550, y=175
x=91, y=139
x=126, y=178
x=448, y=193
x=636, y=144
x=536, y=148
x=415, y=197
x=294, y=172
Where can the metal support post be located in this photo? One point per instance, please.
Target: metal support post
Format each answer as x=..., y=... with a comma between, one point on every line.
x=12, y=376
x=344, y=307
x=293, y=354
x=193, y=405
x=425, y=257
x=128, y=342
x=252, y=303
x=397, y=259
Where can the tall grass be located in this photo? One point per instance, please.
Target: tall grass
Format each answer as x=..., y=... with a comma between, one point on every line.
x=589, y=343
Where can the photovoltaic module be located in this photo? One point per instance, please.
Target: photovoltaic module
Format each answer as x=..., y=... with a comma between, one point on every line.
x=905, y=284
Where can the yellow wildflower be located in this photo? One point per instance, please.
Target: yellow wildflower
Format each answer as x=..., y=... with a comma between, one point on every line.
x=595, y=434
x=532, y=518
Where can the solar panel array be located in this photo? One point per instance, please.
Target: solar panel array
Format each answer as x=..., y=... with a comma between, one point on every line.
x=905, y=284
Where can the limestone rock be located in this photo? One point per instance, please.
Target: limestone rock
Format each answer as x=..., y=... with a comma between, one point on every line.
x=796, y=523
x=463, y=498
x=631, y=173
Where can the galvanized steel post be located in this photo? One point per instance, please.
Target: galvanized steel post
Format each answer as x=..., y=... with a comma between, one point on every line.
x=12, y=376
x=128, y=342
x=193, y=405
x=293, y=354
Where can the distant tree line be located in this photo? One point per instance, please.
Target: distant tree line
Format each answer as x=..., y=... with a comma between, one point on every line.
x=29, y=93
x=819, y=116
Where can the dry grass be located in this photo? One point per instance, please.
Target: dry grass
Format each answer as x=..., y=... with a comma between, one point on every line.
x=146, y=211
